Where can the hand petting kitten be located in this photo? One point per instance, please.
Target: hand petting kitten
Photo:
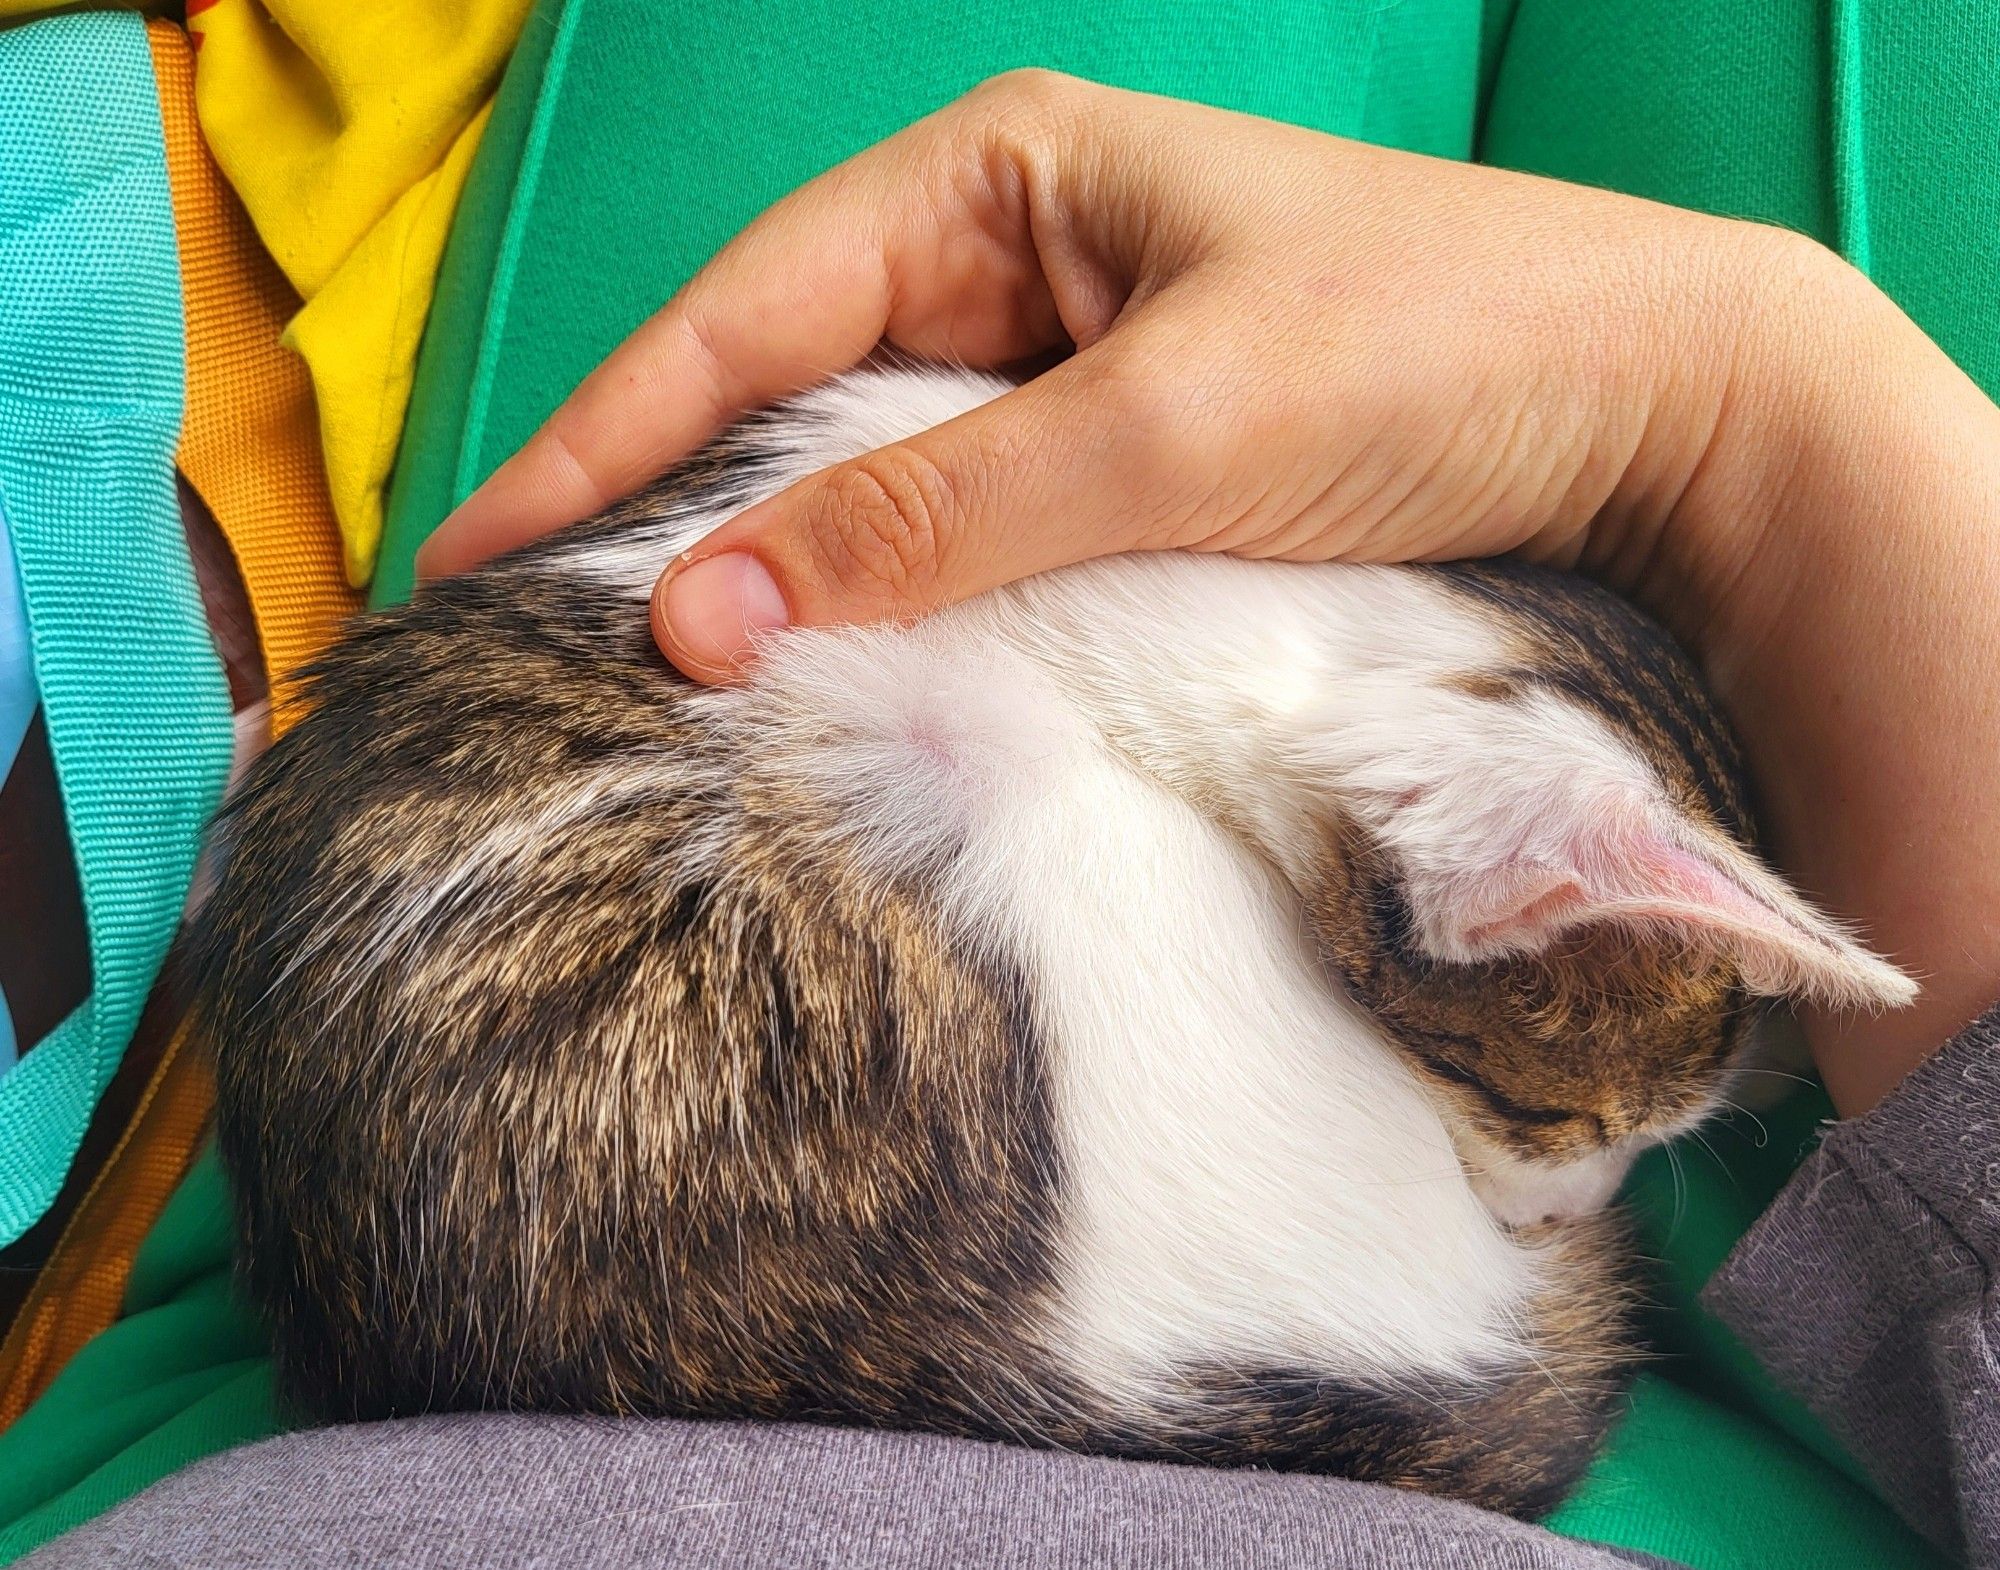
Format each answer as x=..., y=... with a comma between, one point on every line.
x=1292, y=346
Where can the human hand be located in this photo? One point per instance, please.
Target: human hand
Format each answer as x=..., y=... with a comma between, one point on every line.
x=1288, y=345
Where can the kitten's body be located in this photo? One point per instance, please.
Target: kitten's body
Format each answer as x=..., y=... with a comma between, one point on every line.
x=1123, y=1012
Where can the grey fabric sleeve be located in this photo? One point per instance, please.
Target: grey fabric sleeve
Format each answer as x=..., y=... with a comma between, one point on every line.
x=1869, y=1289
x=454, y=1493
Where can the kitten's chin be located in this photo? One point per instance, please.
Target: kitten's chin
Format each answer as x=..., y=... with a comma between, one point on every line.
x=1523, y=1193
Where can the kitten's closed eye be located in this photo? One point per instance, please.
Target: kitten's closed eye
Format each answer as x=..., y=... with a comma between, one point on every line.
x=1541, y=883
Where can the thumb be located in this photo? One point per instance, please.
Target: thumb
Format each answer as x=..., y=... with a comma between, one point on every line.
x=1050, y=473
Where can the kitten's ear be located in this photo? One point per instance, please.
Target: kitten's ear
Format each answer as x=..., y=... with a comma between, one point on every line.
x=1639, y=863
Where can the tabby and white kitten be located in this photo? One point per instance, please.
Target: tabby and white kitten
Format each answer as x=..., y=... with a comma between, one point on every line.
x=1173, y=1007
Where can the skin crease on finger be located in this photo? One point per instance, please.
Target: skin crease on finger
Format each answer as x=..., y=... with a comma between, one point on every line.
x=1287, y=345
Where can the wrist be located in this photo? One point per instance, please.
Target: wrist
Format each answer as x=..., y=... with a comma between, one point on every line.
x=1802, y=365
x=1848, y=563
x=1740, y=365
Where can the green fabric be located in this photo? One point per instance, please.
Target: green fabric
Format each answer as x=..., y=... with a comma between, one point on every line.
x=1870, y=126
x=630, y=140
x=90, y=412
x=183, y=1374
x=608, y=176
x=1715, y=1466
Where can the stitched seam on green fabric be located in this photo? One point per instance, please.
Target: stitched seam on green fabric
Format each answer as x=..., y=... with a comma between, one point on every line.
x=1489, y=76
x=513, y=237
x=1371, y=48
x=381, y=452
x=1850, y=145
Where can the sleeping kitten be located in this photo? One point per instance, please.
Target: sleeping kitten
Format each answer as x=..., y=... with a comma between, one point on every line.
x=1173, y=1007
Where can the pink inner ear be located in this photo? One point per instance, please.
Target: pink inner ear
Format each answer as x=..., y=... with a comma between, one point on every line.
x=1663, y=880
x=1536, y=910
x=1623, y=874
x=1618, y=864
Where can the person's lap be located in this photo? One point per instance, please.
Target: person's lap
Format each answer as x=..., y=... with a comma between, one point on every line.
x=473, y=1491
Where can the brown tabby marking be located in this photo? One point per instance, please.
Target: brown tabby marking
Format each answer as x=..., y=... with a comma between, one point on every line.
x=646, y=1138
x=1610, y=1032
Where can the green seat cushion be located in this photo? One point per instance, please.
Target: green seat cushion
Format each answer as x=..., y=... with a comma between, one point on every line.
x=1869, y=126
x=183, y=1374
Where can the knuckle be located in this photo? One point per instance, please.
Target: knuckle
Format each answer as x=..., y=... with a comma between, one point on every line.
x=1177, y=444
x=1139, y=402
x=1156, y=415
x=569, y=451
x=1771, y=257
x=1031, y=85
x=1789, y=248
x=1032, y=100
x=878, y=529
x=711, y=360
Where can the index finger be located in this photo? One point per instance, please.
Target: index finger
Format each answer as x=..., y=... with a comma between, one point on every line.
x=861, y=255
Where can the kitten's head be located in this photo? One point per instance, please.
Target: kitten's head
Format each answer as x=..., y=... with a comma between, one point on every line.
x=1551, y=899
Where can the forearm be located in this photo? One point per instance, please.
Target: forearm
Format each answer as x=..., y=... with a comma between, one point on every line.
x=1851, y=630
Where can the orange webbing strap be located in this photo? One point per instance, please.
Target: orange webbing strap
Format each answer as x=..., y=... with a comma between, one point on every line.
x=79, y=1290
x=250, y=448
x=250, y=445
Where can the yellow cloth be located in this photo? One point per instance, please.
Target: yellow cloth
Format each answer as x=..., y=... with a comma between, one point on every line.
x=347, y=131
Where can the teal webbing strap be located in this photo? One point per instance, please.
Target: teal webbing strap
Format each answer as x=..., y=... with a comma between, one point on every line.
x=91, y=369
